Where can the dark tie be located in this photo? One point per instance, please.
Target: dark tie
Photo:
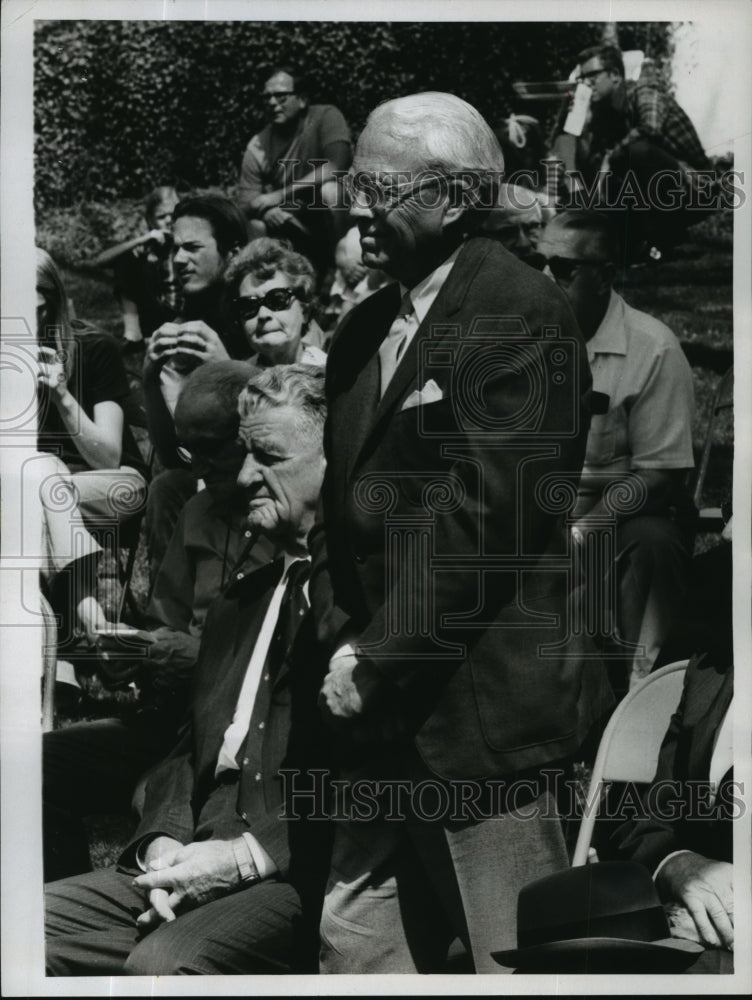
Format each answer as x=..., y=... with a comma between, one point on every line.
x=291, y=612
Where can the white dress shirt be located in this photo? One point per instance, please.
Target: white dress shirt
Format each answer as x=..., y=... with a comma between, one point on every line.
x=236, y=732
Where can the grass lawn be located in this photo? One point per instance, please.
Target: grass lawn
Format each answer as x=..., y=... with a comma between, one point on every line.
x=691, y=293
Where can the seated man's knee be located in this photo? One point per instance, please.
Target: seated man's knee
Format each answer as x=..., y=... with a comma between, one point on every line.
x=154, y=956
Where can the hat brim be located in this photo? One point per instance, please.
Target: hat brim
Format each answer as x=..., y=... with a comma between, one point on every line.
x=671, y=954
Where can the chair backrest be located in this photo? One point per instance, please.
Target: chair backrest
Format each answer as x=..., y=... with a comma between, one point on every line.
x=631, y=742
x=723, y=400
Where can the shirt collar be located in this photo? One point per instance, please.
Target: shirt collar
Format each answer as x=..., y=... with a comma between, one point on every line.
x=611, y=335
x=423, y=294
x=289, y=560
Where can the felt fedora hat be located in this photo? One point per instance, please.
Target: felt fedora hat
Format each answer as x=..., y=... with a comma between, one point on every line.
x=604, y=917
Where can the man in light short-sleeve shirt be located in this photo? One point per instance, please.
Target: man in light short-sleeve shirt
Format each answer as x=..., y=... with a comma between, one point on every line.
x=640, y=437
x=290, y=175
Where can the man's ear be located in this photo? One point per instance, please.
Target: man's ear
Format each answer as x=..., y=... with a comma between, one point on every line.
x=460, y=197
x=608, y=275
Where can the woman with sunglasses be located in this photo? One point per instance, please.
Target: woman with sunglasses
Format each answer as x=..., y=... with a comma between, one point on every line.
x=89, y=469
x=272, y=290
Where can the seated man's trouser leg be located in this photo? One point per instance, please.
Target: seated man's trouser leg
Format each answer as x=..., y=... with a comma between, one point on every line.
x=401, y=890
x=91, y=767
x=662, y=186
x=652, y=567
x=91, y=930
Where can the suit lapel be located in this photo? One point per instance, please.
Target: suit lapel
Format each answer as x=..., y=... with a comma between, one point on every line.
x=713, y=705
x=444, y=308
x=357, y=380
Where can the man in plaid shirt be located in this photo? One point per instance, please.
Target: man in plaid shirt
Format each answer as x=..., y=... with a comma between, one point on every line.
x=637, y=128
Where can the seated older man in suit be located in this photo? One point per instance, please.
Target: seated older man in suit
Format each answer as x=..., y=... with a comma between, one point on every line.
x=685, y=835
x=219, y=886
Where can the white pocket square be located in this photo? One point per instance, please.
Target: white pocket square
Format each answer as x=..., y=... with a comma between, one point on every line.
x=430, y=393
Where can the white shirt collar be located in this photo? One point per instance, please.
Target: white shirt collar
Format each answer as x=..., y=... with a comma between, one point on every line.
x=610, y=337
x=424, y=293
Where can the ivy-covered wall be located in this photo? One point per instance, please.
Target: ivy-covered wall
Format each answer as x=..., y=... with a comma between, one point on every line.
x=121, y=106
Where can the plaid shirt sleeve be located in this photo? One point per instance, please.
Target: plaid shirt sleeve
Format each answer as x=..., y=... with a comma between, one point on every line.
x=654, y=114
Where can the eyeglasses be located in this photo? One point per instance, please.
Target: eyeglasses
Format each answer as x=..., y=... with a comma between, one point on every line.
x=383, y=193
x=277, y=95
x=248, y=306
x=562, y=268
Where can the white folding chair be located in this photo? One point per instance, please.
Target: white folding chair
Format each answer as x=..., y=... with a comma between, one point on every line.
x=631, y=742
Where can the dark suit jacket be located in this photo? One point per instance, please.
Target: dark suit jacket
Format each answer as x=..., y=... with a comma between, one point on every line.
x=685, y=757
x=183, y=799
x=468, y=475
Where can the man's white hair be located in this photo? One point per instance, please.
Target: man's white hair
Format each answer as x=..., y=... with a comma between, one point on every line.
x=447, y=133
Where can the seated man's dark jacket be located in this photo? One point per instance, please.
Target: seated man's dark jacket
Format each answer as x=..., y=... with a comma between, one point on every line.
x=183, y=798
x=685, y=757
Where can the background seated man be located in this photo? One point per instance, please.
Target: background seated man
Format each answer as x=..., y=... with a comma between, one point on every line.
x=93, y=767
x=208, y=230
x=287, y=182
x=145, y=282
x=642, y=405
x=219, y=884
x=516, y=221
x=638, y=128
x=685, y=837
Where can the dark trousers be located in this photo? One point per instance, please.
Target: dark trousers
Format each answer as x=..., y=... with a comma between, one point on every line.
x=91, y=767
x=653, y=556
x=659, y=210
x=90, y=927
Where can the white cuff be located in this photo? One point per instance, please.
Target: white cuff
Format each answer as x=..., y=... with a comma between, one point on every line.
x=667, y=858
x=264, y=864
x=346, y=650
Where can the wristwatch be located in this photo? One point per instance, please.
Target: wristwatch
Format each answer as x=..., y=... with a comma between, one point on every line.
x=248, y=872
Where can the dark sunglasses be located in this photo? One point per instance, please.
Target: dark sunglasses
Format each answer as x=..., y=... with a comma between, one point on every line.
x=276, y=299
x=562, y=268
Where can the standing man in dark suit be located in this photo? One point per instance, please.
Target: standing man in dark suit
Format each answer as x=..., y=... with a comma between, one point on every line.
x=218, y=887
x=456, y=401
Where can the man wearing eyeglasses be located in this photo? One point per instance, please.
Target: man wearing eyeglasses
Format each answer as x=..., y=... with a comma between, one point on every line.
x=288, y=181
x=640, y=435
x=430, y=581
x=638, y=128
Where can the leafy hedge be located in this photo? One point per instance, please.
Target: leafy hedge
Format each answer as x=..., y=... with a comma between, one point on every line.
x=121, y=106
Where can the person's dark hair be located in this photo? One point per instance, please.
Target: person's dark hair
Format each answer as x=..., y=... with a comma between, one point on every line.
x=300, y=386
x=228, y=223
x=609, y=55
x=597, y=225
x=524, y=146
x=263, y=257
x=299, y=81
x=157, y=197
x=207, y=406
